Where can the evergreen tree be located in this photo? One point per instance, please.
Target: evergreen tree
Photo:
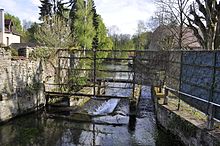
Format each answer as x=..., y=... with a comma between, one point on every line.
x=61, y=9
x=103, y=41
x=56, y=7
x=81, y=18
x=96, y=26
x=45, y=9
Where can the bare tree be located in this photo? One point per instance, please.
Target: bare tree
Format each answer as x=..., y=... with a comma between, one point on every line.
x=206, y=23
x=176, y=12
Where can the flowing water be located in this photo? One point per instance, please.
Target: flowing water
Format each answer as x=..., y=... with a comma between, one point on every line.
x=116, y=129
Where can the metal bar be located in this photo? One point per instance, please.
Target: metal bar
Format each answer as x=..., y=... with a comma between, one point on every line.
x=147, y=59
x=134, y=76
x=107, y=58
x=59, y=70
x=115, y=71
x=180, y=79
x=115, y=80
x=83, y=95
x=78, y=69
x=165, y=102
x=54, y=84
x=106, y=86
x=216, y=120
x=211, y=108
x=197, y=98
x=139, y=50
x=105, y=50
x=116, y=59
x=197, y=65
x=215, y=104
x=64, y=57
x=103, y=80
x=186, y=94
x=118, y=87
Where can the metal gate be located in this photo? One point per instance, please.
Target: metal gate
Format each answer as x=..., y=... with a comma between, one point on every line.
x=87, y=68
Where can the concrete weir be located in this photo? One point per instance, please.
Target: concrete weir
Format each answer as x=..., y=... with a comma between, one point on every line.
x=190, y=131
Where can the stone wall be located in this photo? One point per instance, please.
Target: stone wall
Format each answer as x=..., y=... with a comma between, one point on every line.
x=189, y=134
x=21, y=86
x=5, y=71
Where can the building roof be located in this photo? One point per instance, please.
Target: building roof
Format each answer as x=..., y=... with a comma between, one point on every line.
x=166, y=37
x=9, y=27
x=23, y=45
x=8, y=22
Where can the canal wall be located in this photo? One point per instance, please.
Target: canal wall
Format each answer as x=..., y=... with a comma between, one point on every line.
x=189, y=131
x=24, y=79
x=21, y=85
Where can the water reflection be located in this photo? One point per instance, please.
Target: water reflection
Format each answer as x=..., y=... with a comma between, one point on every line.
x=39, y=130
x=118, y=129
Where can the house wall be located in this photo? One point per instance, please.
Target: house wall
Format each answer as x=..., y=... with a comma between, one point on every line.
x=2, y=26
x=5, y=70
x=3, y=36
x=12, y=38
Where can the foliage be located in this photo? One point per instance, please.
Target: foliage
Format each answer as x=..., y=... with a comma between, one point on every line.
x=33, y=88
x=42, y=53
x=142, y=37
x=53, y=33
x=104, y=42
x=121, y=42
x=14, y=52
x=76, y=25
x=29, y=34
x=142, y=40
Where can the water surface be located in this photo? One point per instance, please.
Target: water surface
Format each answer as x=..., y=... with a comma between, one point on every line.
x=117, y=129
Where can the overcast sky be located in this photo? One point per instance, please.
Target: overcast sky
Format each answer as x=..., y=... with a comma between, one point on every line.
x=123, y=13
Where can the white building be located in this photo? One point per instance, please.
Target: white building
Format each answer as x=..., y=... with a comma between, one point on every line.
x=7, y=36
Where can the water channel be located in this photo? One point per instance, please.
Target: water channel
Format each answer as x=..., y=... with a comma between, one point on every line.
x=107, y=130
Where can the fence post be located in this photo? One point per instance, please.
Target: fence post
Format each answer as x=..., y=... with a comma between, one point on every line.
x=99, y=87
x=165, y=102
x=94, y=72
x=210, y=120
x=134, y=74
x=211, y=107
x=181, y=69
